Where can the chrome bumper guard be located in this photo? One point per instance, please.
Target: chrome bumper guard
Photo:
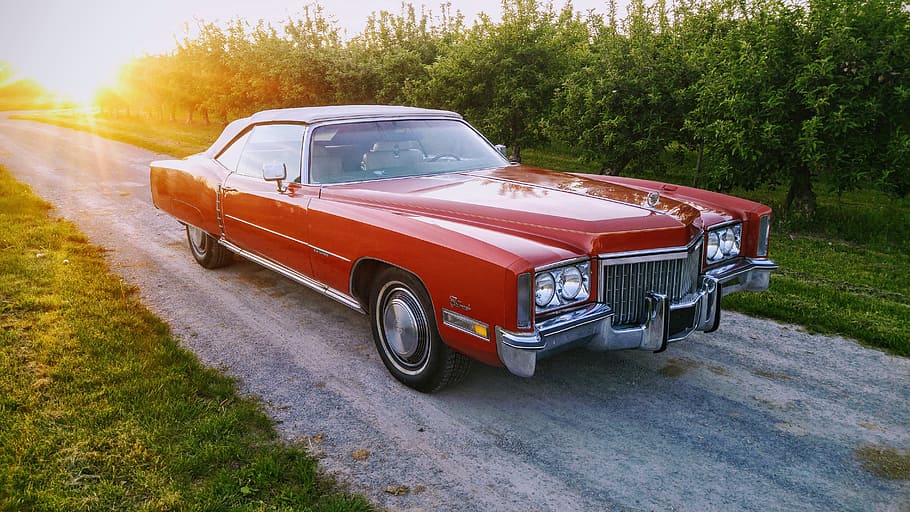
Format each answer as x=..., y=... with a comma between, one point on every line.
x=666, y=322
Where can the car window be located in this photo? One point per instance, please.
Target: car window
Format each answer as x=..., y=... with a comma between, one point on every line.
x=361, y=151
x=230, y=156
x=273, y=143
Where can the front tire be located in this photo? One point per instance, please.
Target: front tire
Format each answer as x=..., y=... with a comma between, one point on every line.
x=406, y=336
x=206, y=250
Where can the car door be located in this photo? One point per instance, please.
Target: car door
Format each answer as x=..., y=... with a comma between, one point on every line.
x=268, y=218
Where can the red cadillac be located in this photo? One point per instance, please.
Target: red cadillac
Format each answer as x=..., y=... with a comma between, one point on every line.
x=412, y=217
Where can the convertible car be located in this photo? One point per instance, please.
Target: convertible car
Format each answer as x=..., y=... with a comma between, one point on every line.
x=412, y=217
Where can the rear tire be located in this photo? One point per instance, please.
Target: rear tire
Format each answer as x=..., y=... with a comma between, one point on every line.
x=206, y=250
x=406, y=335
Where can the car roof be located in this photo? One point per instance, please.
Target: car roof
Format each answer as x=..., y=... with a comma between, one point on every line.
x=309, y=115
x=341, y=112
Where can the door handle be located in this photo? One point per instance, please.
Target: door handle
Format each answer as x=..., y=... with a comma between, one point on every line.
x=228, y=189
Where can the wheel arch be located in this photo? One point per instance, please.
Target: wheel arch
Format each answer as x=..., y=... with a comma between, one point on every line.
x=363, y=278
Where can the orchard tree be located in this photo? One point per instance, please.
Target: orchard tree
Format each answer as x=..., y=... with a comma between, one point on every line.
x=393, y=53
x=629, y=100
x=799, y=93
x=503, y=75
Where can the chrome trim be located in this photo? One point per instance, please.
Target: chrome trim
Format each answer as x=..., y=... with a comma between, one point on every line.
x=655, y=252
x=564, y=263
x=708, y=230
x=591, y=326
x=522, y=340
x=723, y=224
x=317, y=250
x=218, y=201
x=625, y=282
x=746, y=274
x=451, y=319
x=520, y=361
x=297, y=277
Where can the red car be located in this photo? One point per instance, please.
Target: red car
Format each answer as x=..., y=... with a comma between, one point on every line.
x=412, y=217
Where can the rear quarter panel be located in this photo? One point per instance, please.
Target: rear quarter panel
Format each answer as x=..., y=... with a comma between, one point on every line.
x=188, y=189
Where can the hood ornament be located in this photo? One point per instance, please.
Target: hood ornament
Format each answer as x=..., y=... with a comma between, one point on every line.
x=653, y=199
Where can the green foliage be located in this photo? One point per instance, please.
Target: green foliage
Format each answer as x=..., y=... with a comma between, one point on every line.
x=629, y=99
x=503, y=76
x=100, y=409
x=799, y=93
x=393, y=54
x=762, y=92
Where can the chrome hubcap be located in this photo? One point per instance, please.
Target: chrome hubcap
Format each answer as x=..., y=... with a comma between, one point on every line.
x=405, y=330
x=401, y=328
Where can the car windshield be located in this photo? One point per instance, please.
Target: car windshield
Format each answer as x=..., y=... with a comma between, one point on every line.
x=346, y=152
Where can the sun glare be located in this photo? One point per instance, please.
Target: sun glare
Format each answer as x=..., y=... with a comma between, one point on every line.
x=69, y=48
x=75, y=81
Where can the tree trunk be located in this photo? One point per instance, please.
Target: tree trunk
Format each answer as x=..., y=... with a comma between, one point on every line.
x=701, y=151
x=205, y=116
x=516, y=153
x=801, y=197
x=617, y=168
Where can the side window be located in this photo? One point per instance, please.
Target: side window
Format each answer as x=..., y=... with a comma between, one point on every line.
x=231, y=155
x=271, y=143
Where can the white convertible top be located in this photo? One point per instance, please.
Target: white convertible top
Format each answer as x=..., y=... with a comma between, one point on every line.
x=309, y=115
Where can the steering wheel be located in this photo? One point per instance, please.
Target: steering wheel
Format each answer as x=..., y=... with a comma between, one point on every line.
x=444, y=155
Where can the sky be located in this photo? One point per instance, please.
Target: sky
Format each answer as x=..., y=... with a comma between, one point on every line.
x=74, y=46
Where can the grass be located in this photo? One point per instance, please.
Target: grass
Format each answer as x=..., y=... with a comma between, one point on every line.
x=100, y=408
x=843, y=271
x=884, y=462
x=169, y=137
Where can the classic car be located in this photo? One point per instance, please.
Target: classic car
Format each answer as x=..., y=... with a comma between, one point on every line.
x=414, y=218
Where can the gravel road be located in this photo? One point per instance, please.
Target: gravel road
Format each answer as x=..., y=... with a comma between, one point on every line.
x=757, y=416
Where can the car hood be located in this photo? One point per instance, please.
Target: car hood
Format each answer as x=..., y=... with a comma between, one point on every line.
x=573, y=211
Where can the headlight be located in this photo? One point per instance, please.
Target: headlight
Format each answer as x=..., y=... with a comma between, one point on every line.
x=723, y=243
x=544, y=289
x=559, y=286
x=570, y=283
x=713, y=245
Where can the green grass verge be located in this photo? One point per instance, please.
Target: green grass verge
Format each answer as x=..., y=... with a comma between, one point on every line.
x=100, y=409
x=843, y=270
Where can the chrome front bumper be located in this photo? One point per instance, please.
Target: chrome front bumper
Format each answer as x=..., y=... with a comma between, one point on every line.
x=666, y=322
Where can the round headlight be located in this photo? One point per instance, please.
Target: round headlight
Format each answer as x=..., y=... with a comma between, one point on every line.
x=570, y=283
x=713, y=245
x=729, y=244
x=544, y=289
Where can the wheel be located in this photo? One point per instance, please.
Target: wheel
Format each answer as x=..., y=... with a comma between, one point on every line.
x=206, y=250
x=405, y=333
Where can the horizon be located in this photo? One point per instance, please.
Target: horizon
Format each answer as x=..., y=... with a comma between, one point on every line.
x=73, y=49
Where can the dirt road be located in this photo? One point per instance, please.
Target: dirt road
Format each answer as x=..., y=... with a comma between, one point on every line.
x=758, y=416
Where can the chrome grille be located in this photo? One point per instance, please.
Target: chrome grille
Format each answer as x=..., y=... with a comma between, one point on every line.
x=626, y=280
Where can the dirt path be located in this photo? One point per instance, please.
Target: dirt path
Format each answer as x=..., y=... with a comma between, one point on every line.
x=758, y=416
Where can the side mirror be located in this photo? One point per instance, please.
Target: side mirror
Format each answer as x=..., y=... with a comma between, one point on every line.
x=502, y=149
x=275, y=171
